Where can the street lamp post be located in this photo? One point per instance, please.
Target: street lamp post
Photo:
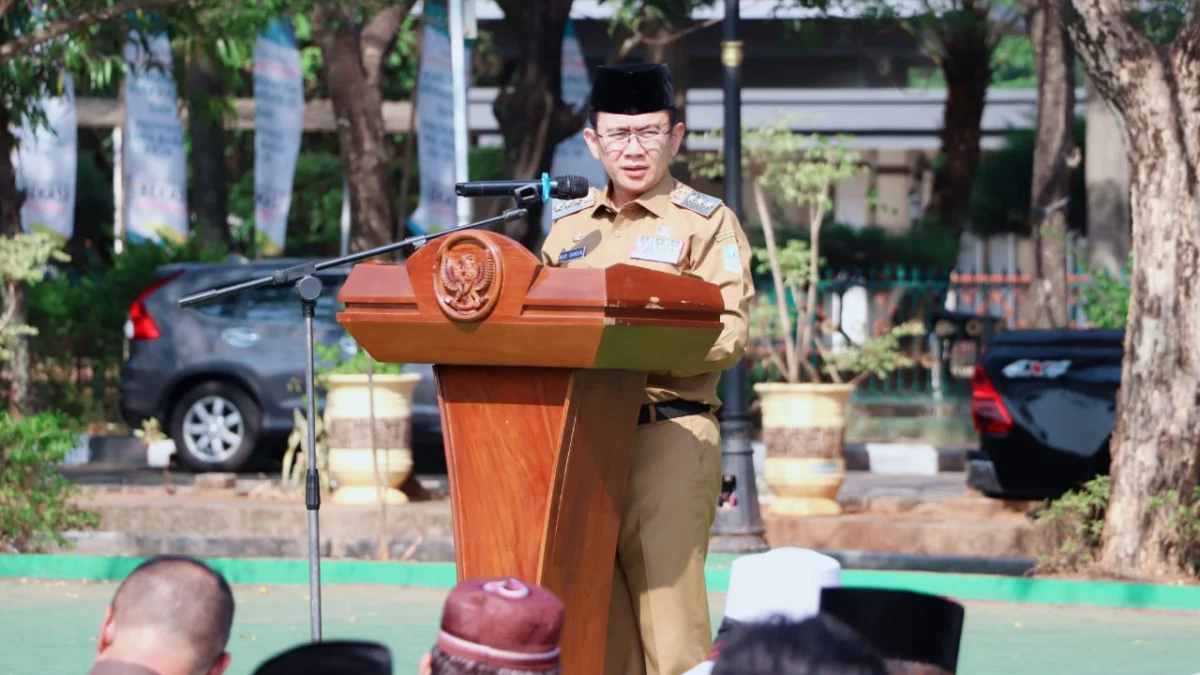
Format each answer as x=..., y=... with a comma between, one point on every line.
x=738, y=528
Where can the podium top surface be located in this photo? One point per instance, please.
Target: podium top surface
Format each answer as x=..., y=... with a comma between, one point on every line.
x=480, y=298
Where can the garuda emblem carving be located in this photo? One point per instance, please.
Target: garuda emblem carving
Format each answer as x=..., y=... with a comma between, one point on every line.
x=467, y=278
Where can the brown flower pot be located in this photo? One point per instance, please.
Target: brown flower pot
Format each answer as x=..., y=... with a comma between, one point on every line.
x=804, y=427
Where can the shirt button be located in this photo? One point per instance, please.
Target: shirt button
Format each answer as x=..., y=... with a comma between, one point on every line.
x=617, y=233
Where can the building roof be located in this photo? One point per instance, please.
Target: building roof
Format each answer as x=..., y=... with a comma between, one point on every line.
x=876, y=118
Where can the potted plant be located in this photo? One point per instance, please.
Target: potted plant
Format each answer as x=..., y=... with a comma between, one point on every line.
x=804, y=412
x=357, y=389
x=159, y=446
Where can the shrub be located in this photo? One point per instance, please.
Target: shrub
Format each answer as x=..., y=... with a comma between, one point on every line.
x=35, y=498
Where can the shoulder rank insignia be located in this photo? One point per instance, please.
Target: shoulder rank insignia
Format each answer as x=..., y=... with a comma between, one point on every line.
x=565, y=208
x=696, y=201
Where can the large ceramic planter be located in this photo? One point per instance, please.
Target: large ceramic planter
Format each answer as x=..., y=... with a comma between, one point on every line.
x=804, y=427
x=348, y=428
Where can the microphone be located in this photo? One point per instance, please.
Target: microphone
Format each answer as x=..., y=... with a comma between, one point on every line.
x=563, y=187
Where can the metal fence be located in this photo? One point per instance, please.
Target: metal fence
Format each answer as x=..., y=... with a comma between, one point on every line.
x=865, y=303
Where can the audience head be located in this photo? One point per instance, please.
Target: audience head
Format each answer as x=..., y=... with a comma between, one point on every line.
x=782, y=582
x=918, y=633
x=338, y=657
x=499, y=627
x=820, y=645
x=171, y=615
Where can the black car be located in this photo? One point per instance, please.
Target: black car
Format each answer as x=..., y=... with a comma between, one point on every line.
x=1044, y=403
x=220, y=377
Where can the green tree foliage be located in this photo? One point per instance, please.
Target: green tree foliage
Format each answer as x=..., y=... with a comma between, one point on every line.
x=1000, y=197
x=802, y=169
x=1106, y=297
x=1012, y=68
x=656, y=23
x=86, y=38
x=36, y=500
x=22, y=260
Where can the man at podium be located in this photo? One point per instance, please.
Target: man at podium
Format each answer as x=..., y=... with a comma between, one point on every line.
x=658, y=622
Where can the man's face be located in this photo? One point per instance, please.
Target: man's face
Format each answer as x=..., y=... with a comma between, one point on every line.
x=636, y=150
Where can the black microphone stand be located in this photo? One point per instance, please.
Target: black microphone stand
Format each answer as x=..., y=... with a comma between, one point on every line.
x=308, y=287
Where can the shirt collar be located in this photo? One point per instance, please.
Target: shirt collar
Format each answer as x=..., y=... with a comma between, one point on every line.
x=656, y=200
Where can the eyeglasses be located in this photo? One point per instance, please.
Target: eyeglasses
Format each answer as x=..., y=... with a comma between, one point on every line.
x=648, y=138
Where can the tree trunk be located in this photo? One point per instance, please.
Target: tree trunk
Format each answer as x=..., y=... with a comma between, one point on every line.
x=210, y=190
x=1054, y=60
x=529, y=108
x=1106, y=169
x=1158, y=410
x=352, y=71
x=966, y=64
x=1157, y=434
x=11, y=200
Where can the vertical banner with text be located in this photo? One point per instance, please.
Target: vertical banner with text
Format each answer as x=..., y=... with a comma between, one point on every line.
x=155, y=163
x=47, y=159
x=278, y=130
x=437, y=209
x=572, y=156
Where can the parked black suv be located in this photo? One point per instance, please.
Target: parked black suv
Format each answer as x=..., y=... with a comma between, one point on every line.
x=217, y=375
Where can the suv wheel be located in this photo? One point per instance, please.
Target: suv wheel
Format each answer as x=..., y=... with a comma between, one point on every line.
x=215, y=426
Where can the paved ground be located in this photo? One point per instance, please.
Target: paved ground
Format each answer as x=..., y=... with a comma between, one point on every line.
x=859, y=484
x=49, y=629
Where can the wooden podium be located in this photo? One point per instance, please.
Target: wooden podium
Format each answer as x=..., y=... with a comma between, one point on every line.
x=540, y=375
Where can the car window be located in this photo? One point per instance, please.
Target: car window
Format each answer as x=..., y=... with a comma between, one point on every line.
x=280, y=304
x=225, y=308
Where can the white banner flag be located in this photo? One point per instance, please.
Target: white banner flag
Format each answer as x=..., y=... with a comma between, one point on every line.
x=155, y=162
x=47, y=157
x=278, y=129
x=437, y=209
x=572, y=156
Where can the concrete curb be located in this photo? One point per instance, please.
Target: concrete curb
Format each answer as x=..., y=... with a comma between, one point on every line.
x=442, y=576
x=894, y=459
x=441, y=550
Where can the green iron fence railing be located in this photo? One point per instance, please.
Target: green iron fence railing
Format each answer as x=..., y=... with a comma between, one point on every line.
x=960, y=310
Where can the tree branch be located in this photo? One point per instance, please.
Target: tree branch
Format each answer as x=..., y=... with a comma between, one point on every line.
x=679, y=35
x=621, y=49
x=10, y=307
x=6, y=5
x=379, y=38
x=60, y=28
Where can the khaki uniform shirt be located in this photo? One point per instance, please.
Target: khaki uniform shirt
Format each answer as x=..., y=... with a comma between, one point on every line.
x=671, y=228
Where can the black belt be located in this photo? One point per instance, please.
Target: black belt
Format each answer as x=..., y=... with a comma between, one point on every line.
x=670, y=410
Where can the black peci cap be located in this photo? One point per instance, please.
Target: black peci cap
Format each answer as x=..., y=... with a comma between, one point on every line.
x=330, y=658
x=901, y=625
x=633, y=89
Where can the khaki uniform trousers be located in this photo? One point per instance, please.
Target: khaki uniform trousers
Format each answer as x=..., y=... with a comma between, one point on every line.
x=659, y=622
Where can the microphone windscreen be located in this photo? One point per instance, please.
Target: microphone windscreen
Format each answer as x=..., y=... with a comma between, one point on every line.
x=570, y=187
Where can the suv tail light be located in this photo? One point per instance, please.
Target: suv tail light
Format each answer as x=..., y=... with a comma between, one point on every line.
x=140, y=325
x=987, y=409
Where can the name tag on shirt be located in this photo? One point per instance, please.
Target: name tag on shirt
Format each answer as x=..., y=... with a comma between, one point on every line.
x=573, y=254
x=657, y=249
